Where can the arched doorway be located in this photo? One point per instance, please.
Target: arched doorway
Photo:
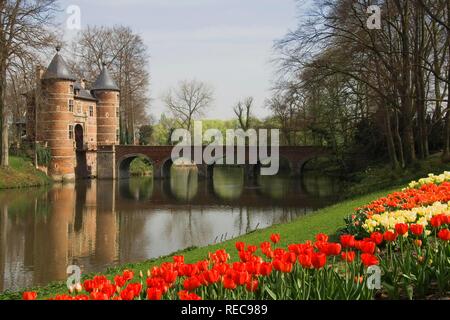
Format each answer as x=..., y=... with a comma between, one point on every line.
x=79, y=137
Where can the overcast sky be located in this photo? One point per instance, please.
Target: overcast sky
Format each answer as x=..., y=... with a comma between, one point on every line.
x=226, y=43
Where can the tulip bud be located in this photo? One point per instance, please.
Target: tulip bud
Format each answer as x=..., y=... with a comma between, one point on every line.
x=149, y=273
x=118, y=289
x=141, y=275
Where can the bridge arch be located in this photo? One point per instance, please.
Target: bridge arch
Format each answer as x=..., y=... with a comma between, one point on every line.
x=300, y=165
x=286, y=166
x=123, y=164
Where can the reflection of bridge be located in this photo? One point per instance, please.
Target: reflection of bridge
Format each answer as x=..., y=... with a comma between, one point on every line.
x=114, y=161
x=205, y=193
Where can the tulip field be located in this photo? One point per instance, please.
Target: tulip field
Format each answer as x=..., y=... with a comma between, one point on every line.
x=405, y=234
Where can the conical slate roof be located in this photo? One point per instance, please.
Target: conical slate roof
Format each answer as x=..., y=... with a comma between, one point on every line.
x=105, y=81
x=58, y=69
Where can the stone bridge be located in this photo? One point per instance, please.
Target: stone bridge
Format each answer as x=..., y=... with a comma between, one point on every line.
x=114, y=161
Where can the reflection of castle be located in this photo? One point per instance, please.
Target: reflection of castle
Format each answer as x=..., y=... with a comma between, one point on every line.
x=70, y=225
x=72, y=119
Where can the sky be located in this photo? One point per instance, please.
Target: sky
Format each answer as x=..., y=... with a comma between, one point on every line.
x=225, y=43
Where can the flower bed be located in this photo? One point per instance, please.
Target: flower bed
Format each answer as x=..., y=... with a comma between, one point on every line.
x=405, y=234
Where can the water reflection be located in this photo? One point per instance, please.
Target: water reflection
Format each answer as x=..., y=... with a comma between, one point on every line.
x=96, y=224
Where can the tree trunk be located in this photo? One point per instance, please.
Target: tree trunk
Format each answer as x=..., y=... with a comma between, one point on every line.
x=4, y=157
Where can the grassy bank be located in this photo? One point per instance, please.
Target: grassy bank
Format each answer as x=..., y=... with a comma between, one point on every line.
x=327, y=220
x=21, y=174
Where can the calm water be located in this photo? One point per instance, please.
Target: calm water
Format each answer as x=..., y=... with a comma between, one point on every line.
x=96, y=224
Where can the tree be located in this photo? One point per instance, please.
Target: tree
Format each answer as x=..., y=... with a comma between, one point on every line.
x=188, y=100
x=24, y=31
x=145, y=135
x=127, y=57
x=347, y=74
x=243, y=112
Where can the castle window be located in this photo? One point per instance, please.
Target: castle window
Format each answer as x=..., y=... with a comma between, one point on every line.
x=70, y=105
x=71, y=132
x=91, y=111
x=71, y=89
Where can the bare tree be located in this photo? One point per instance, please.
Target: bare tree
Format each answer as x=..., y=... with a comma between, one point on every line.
x=188, y=100
x=243, y=113
x=23, y=32
x=127, y=57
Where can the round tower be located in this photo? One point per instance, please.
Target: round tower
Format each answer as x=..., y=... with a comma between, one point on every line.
x=108, y=95
x=57, y=118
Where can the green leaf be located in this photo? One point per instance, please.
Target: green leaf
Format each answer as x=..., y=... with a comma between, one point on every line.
x=271, y=293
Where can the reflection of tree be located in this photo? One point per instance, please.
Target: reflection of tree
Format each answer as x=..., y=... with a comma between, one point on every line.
x=184, y=183
x=228, y=182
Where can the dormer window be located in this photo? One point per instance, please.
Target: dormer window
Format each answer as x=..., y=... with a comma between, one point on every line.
x=71, y=89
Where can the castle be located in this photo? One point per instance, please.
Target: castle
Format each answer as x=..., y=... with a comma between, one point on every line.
x=74, y=122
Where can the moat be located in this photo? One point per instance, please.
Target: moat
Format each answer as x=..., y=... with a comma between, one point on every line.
x=97, y=224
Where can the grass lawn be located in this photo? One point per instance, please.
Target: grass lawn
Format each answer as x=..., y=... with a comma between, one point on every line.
x=21, y=174
x=327, y=221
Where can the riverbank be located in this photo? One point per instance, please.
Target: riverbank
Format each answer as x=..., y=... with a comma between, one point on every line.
x=327, y=220
x=22, y=174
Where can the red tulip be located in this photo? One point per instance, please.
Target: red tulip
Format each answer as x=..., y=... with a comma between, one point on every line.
x=377, y=237
x=348, y=256
x=266, y=269
x=128, y=275
x=252, y=285
x=319, y=260
x=333, y=249
x=29, y=296
x=98, y=296
x=348, y=241
x=305, y=261
x=228, y=283
x=190, y=284
x=154, y=294
x=436, y=221
x=390, y=236
x=240, y=246
x=369, y=260
x=212, y=276
x=322, y=237
x=178, y=259
x=252, y=249
x=128, y=294
x=275, y=238
x=186, y=296
x=170, y=277
x=401, y=228
x=241, y=278
x=417, y=229
x=368, y=247
x=444, y=235
x=119, y=281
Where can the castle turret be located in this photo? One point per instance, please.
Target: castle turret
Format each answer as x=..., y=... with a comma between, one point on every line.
x=57, y=118
x=107, y=93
